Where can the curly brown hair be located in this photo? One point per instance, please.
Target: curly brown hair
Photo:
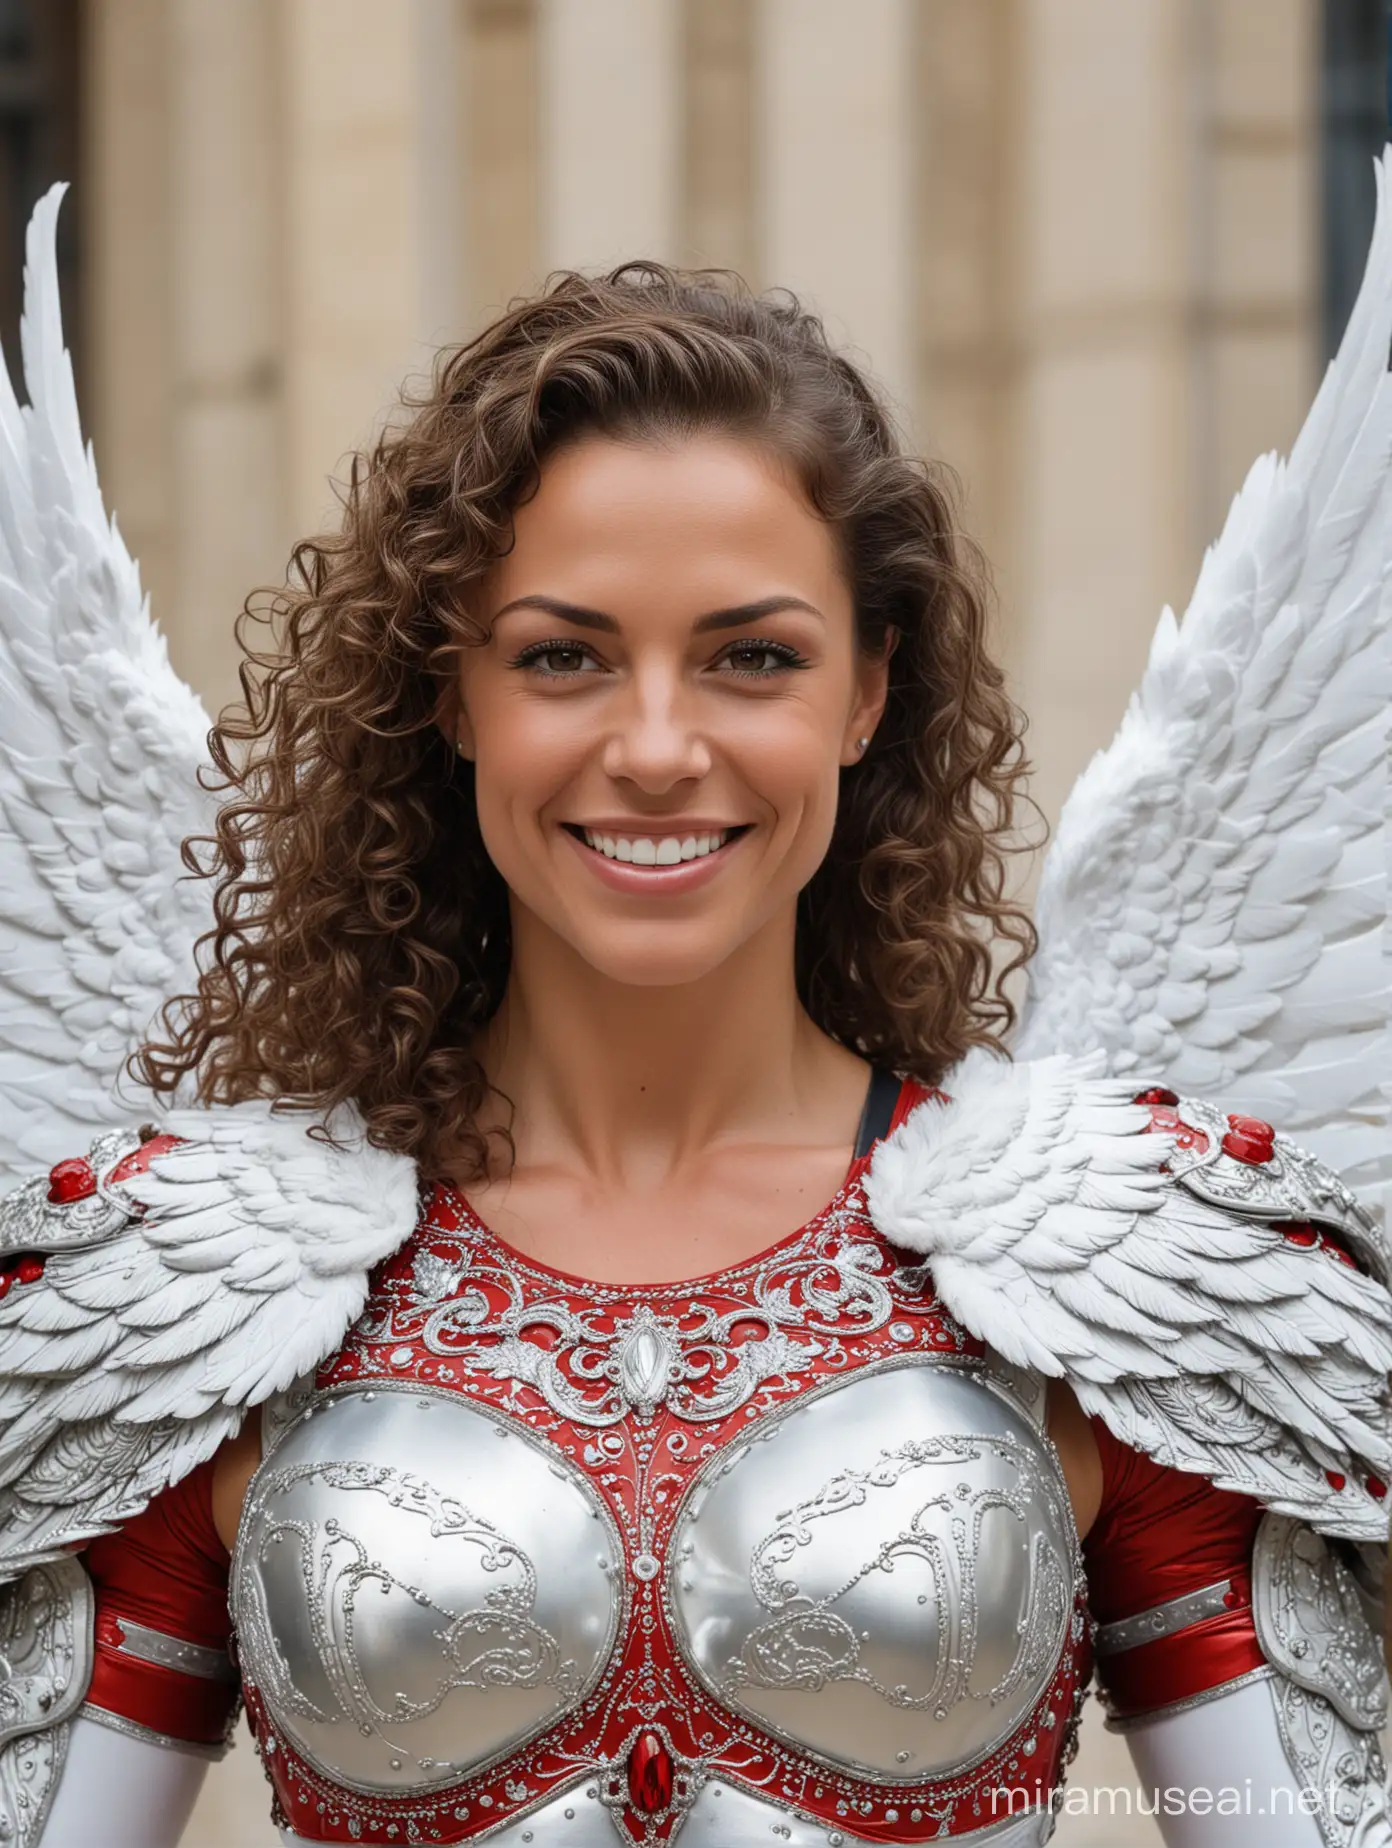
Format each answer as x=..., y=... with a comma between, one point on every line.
x=362, y=933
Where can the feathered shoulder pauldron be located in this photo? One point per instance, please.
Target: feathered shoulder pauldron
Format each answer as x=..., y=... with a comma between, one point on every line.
x=1215, y=1294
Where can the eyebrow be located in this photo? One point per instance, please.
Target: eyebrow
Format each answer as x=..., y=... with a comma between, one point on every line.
x=733, y=618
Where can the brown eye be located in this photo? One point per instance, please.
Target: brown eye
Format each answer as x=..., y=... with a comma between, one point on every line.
x=760, y=660
x=556, y=660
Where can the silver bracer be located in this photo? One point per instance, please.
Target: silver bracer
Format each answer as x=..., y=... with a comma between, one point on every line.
x=46, y=1655
x=1312, y=1606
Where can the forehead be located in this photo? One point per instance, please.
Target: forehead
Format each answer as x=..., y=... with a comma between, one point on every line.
x=705, y=518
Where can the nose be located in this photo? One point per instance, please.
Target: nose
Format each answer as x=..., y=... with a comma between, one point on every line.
x=656, y=741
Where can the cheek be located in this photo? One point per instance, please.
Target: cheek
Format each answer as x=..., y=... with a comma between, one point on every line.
x=793, y=768
x=526, y=752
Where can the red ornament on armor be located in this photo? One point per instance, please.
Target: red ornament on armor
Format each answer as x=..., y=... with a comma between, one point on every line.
x=1157, y=1094
x=650, y=1774
x=69, y=1181
x=1165, y=1118
x=1249, y=1139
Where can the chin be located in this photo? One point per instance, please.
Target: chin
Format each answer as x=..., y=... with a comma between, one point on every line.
x=653, y=968
x=652, y=954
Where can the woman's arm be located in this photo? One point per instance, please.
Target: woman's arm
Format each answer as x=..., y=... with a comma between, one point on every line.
x=1235, y=1652
x=162, y=1693
x=122, y=1790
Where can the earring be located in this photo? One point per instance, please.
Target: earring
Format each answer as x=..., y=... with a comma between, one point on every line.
x=862, y=743
x=459, y=746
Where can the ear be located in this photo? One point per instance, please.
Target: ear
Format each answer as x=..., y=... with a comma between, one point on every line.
x=452, y=721
x=867, y=707
x=463, y=734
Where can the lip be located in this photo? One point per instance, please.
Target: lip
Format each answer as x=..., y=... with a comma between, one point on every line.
x=680, y=825
x=653, y=881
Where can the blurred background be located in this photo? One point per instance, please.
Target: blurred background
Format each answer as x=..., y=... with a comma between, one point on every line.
x=1096, y=252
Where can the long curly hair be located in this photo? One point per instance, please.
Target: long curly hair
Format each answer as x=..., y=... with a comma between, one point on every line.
x=362, y=937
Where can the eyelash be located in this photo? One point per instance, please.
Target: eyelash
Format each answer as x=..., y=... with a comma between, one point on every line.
x=787, y=658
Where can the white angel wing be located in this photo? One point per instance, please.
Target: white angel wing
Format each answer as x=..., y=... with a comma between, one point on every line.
x=1212, y=909
x=100, y=746
x=172, y=1300
x=1201, y=1335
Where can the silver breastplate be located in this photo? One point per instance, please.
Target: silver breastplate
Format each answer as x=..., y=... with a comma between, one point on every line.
x=882, y=1577
x=781, y=1545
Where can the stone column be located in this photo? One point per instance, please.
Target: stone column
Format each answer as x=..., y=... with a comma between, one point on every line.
x=609, y=131
x=369, y=199
x=224, y=268
x=718, y=190
x=834, y=122
x=123, y=194
x=1257, y=239
x=1163, y=320
x=502, y=131
x=968, y=161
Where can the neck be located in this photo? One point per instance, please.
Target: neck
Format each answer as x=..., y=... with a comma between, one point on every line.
x=631, y=1083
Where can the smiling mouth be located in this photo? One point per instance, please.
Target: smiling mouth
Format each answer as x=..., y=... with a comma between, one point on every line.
x=656, y=850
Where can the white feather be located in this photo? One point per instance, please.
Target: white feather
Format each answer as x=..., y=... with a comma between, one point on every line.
x=100, y=747
x=1212, y=910
x=125, y=1365
x=1054, y=1233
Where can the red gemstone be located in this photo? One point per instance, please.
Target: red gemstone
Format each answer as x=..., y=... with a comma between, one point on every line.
x=1249, y=1139
x=1300, y=1232
x=1377, y=1487
x=6, y=1279
x=30, y=1268
x=69, y=1181
x=1157, y=1094
x=649, y=1774
x=1251, y=1126
x=1334, y=1479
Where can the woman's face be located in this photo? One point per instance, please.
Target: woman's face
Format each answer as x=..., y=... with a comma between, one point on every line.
x=669, y=690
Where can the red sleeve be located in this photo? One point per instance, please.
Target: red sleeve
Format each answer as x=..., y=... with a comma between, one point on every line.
x=1161, y=1534
x=162, y=1625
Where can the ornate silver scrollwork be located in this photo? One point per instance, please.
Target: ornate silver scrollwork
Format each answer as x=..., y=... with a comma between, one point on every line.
x=399, y=1638
x=30, y=1221
x=45, y=1668
x=894, y=1612
x=1331, y=1682
x=691, y=1363
x=1290, y=1184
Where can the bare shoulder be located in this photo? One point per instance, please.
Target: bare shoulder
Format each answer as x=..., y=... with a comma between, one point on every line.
x=233, y=1468
x=1077, y=1447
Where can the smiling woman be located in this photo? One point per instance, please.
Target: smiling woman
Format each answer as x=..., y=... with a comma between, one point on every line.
x=650, y=552
x=609, y=1382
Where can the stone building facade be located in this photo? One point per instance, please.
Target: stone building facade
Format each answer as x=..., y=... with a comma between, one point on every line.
x=1078, y=241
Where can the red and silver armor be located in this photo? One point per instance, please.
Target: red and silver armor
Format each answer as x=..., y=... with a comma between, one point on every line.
x=777, y=1547
x=785, y=1549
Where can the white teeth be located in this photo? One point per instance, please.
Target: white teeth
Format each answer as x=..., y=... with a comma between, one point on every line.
x=644, y=850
